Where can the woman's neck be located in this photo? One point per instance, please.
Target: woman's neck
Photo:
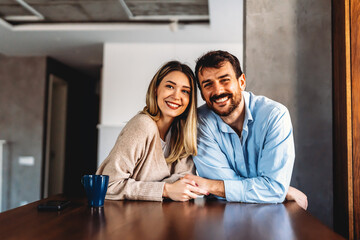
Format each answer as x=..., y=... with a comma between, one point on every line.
x=163, y=125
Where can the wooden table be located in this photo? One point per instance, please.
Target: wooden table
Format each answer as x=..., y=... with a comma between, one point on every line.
x=199, y=219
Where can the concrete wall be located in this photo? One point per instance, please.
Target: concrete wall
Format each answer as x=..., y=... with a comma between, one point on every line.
x=22, y=95
x=288, y=58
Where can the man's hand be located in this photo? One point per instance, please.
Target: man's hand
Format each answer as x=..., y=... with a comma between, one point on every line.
x=182, y=190
x=299, y=197
x=215, y=187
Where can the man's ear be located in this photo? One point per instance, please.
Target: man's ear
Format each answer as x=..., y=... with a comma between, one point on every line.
x=242, y=82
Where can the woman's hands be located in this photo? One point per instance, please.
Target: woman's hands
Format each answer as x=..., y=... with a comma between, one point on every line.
x=183, y=190
x=299, y=197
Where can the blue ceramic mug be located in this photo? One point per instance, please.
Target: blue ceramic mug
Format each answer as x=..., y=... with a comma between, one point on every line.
x=95, y=188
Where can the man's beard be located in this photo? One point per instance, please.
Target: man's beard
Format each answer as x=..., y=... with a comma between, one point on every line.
x=234, y=103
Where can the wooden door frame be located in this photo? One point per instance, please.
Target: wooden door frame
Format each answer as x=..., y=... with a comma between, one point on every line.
x=346, y=106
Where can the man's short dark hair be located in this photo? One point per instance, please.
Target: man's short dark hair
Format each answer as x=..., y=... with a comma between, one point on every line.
x=216, y=59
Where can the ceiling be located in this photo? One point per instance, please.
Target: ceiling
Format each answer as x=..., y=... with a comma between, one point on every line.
x=74, y=31
x=105, y=11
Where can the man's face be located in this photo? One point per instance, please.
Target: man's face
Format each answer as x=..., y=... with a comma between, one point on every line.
x=220, y=88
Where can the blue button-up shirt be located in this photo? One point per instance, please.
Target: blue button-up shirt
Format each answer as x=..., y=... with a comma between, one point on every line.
x=257, y=167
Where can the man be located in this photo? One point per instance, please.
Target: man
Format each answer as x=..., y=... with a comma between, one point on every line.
x=245, y=142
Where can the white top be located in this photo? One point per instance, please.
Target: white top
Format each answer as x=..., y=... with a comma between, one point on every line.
x=165, y=145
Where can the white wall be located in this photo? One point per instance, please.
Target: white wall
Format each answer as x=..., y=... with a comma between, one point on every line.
x=128, y=67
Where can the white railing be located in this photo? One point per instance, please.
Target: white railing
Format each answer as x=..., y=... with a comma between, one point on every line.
x=2, y=142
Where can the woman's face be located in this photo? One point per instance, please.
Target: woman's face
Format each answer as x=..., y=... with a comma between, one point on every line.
x=173, y=94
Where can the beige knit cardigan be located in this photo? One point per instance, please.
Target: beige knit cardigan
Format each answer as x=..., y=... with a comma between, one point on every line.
x=136, y=164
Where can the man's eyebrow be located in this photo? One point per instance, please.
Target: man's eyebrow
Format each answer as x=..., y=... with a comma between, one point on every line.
x=175, y=84
x=225, y=75
x=205, y=81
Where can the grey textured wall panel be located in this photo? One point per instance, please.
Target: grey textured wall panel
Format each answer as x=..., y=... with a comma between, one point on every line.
x=288, y=58
x=22, y=95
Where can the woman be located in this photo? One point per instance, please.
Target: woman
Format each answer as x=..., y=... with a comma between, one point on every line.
x=154, y=149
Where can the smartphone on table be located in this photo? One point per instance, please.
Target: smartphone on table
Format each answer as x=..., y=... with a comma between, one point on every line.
x=53, y=205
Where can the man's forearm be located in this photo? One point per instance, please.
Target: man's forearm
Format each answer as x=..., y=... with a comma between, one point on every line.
x=216, y=187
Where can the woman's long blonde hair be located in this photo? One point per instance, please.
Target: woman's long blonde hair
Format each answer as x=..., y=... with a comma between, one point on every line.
x=184, y=127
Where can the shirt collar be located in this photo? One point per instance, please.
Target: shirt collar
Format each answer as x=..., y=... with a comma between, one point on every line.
x=248, y=116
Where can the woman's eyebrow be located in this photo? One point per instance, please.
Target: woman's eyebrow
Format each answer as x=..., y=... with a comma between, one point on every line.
x=171, y=82
x=175, y=84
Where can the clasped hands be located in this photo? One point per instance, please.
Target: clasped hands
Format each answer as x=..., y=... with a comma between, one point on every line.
x=186, y=188
x=191, y=186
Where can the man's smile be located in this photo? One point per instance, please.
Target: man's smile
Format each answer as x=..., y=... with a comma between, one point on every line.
x=221, y=99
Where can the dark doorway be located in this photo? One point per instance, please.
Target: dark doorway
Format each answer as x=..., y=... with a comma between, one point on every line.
x=56, y=136
x=80, y=148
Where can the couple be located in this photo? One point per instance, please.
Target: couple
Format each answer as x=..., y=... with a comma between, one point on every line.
x=241, y=144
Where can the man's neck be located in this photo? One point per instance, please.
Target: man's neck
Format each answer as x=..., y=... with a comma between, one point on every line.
x=236, y=119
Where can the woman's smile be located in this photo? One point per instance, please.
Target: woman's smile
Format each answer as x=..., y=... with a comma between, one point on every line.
x=172, y=105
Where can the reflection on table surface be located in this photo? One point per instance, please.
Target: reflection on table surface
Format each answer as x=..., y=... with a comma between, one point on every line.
x=197, y=219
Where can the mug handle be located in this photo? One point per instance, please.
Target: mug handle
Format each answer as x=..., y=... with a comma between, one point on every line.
x=82, y=180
